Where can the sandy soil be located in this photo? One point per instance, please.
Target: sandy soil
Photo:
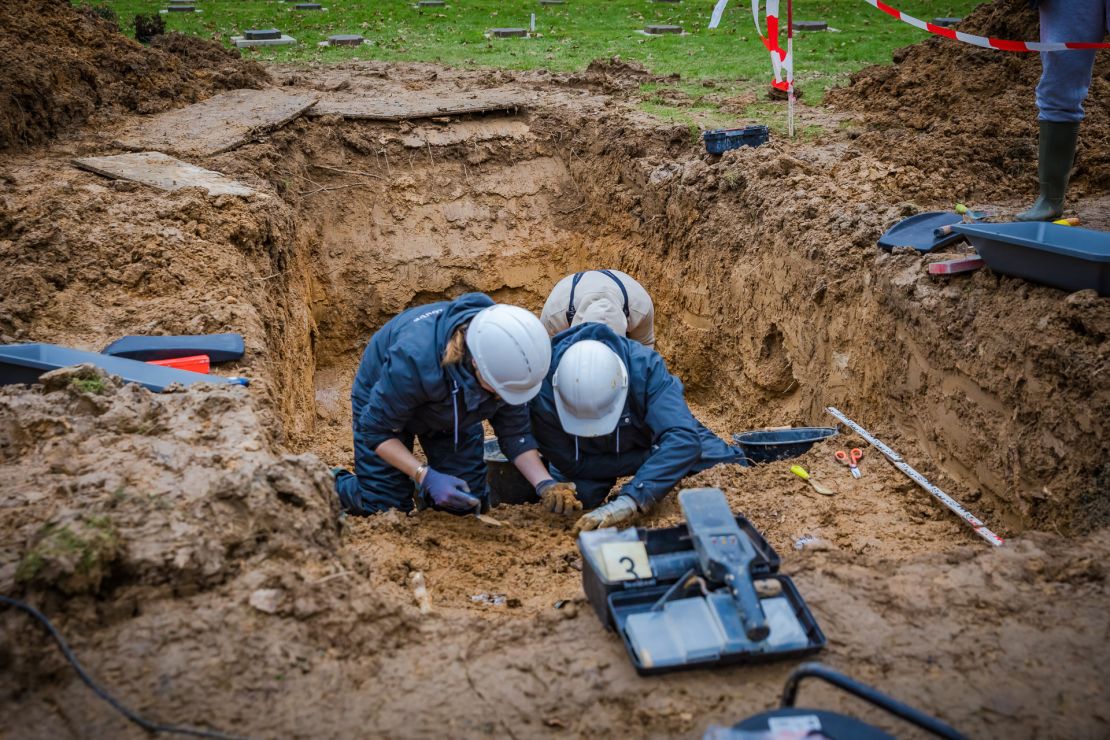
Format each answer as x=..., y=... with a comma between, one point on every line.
x=190, y=547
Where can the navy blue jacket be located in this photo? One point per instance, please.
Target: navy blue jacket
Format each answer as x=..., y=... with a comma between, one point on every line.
x=655, y=416
x=402, y=387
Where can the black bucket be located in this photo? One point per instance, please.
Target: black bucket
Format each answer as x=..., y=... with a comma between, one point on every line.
x=506, y=484
x=767, y=445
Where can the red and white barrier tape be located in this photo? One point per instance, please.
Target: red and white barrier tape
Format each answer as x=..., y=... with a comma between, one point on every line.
x=984, y=41
x=784, y=64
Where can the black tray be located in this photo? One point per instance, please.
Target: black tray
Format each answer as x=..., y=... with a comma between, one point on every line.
x=623, y=604
x=674, y=542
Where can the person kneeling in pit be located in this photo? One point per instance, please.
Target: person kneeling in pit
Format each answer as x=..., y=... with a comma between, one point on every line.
x=609, y=296
x=609, y=408
x=433, y=373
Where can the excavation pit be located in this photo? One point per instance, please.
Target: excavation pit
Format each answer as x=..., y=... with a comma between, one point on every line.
x=208, y=518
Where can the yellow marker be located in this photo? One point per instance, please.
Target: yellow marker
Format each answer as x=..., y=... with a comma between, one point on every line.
x=1072, y=221
x=961, y=208
x=799, y=471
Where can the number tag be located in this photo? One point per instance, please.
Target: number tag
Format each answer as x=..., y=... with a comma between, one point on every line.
x=625, y=561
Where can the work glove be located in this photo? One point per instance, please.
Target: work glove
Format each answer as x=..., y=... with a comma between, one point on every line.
x=447, y=491
x=619, y=511
x=558, y=496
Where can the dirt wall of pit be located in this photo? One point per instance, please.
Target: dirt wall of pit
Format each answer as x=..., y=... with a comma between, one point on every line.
x=771, y=301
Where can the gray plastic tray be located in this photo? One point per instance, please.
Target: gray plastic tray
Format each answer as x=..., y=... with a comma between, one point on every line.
x=1065, y=257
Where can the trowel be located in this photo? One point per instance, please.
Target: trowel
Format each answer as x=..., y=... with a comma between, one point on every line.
x=822, y=489
x=485, y=518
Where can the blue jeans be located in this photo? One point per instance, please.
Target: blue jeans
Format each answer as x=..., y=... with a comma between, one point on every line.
x=378, y=486
x=1066, y=75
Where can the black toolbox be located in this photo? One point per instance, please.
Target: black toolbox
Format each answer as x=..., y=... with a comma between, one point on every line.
x=648, y=586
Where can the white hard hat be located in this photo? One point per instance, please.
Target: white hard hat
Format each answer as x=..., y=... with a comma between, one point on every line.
x=512, y=351
x=591, y=384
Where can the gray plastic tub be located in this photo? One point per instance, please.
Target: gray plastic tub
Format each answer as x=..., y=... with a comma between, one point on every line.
x=1065, y=257
x=24, y=363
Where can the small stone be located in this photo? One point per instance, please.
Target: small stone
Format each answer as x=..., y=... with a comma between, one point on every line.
x=266, y=599
x=946, y=22
x=569, y=610
x=1082, y=298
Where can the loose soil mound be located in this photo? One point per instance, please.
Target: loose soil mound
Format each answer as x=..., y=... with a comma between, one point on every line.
x=60, y=65
x=970, y=112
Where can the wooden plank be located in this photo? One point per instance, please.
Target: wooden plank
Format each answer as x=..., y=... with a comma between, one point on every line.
x=407, y=105
x=164, y=172
x=219, y=124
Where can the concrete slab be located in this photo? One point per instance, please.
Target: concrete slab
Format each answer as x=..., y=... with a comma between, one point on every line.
x=345, y=39
x=242, y=42
x=410, y=105
x=259, y=34
x=505, y=33
x=656, y=30
x=164, y=172
x=219, y=124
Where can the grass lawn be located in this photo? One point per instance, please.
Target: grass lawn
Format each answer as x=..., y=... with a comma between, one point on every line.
x=570, y=36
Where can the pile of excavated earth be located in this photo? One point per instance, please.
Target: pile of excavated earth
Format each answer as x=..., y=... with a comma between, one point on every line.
x=189, y=543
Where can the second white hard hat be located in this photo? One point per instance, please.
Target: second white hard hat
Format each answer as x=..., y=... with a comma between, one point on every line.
x=591, y=384
x=511, y=350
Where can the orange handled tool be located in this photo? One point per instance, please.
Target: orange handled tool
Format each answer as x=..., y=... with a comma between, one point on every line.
x=850, y=459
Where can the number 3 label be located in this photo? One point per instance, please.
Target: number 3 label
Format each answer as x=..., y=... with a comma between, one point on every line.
x=625, y=561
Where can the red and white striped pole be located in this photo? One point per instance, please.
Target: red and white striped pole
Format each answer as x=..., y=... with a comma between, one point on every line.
x=790, y=68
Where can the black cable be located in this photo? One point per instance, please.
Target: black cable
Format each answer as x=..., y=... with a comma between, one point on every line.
x=146, y=724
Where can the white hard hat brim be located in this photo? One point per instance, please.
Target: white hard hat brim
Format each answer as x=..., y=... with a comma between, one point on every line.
x=518, y=398
x=598, y=427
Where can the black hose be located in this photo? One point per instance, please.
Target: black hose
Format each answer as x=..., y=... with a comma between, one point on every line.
x=872, y=696
x=146, y=724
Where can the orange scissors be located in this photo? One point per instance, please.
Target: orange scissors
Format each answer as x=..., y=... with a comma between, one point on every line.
x=850, y=459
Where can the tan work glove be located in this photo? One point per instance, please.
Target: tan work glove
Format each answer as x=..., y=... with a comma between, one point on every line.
x=558, y=496
x=619, y=511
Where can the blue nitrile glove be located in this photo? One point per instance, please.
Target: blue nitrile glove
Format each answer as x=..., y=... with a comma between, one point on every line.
x=447, y=491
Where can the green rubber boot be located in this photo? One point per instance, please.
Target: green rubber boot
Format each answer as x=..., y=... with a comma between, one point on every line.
x=1057, y=152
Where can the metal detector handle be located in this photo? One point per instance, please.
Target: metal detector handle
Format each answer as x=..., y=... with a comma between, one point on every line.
x=751, y=611
x=725, y=554
x=869, y=695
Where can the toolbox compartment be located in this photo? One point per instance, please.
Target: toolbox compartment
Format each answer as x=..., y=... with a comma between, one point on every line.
x=695, y=632
x=670, y=554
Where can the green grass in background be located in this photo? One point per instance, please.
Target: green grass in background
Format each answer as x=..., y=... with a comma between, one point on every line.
x=570, y=36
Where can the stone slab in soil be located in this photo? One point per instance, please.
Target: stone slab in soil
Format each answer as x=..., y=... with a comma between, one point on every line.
x=163, y=172
x=219, y=124
x=413, y=105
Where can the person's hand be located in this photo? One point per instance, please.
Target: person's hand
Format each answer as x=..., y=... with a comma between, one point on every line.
x=612, y=514
x=558, y=496
x=447, y=491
